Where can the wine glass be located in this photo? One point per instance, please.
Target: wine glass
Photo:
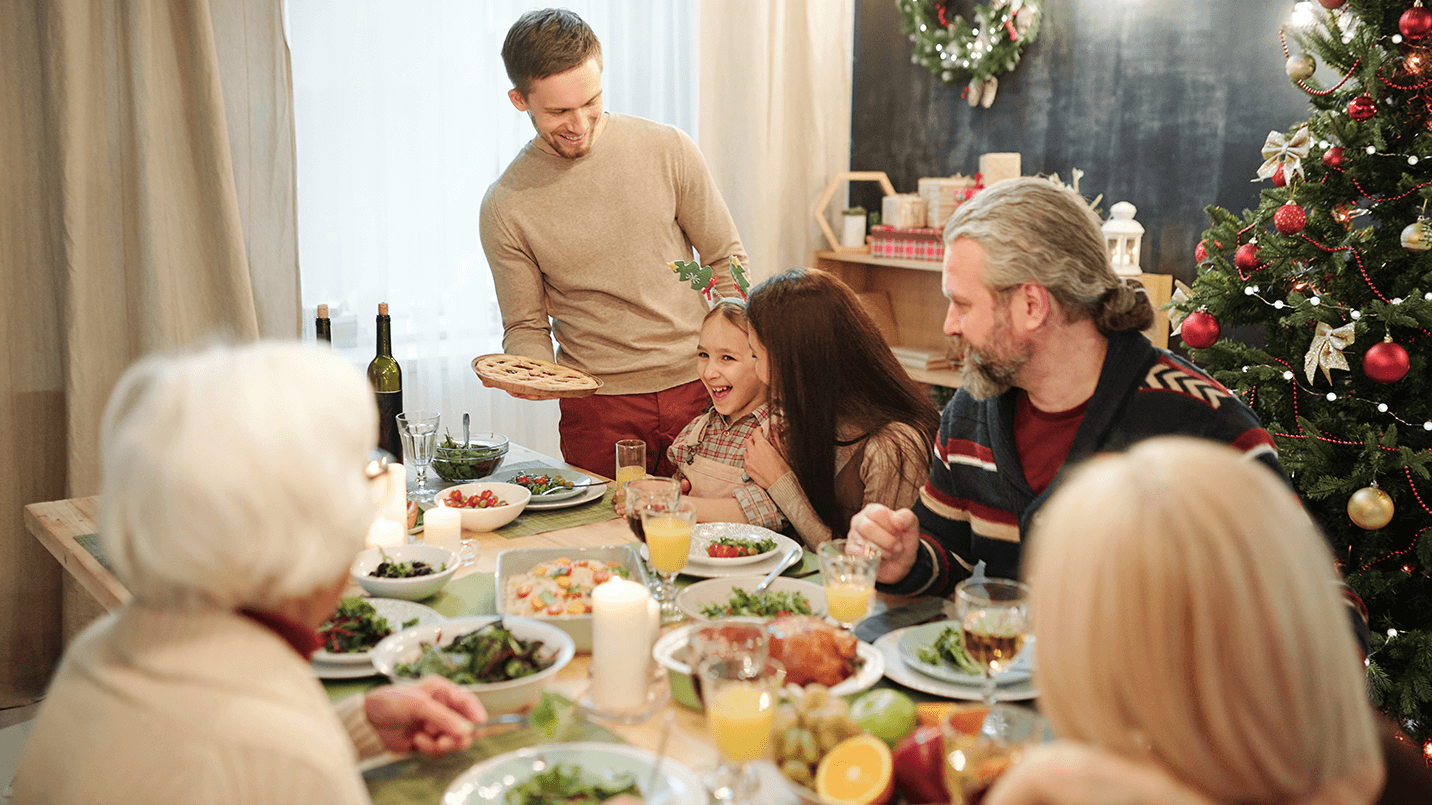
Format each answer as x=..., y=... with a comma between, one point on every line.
x=995, y=621
x=979, y=743
x=419, y=432
x=649, y=491
x=668, y=543
x=849, y=569
x=740, y=703
x=631, y=460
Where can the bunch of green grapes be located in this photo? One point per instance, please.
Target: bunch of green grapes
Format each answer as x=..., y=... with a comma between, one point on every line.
x=809, y=721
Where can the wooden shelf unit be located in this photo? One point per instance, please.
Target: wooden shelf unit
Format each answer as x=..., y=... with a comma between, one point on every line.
x=918, y=303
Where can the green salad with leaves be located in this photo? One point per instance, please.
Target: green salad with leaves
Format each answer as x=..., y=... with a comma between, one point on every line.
x=356, y=626
x=761, y=605
x=949, y=647
x=564, y=783
x=490, y=654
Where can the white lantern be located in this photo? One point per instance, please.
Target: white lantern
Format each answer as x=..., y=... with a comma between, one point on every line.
x=1123, y=236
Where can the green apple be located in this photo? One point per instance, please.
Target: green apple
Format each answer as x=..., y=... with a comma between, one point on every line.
x=887, y=714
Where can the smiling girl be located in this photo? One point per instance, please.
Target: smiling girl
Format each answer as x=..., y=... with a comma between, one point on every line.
x=709, y=453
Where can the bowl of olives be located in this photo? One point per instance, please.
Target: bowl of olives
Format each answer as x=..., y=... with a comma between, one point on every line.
x=458, y=463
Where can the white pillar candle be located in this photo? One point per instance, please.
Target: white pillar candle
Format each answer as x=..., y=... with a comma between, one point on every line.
x=395, y=505
x=621, y=645
x=385, y=534
x=443, y=527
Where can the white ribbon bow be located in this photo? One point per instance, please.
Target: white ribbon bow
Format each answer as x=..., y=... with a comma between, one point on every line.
x=1176, y=316
x=1279, y=150
x=1326, y=350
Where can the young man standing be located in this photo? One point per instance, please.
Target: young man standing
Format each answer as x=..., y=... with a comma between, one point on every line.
x=578, y=232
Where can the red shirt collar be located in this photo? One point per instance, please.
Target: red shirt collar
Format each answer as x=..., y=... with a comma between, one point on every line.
x=303, y=639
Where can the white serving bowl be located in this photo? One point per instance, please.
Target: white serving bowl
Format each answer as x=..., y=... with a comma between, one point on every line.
x=702, y=594
x=413, y=589
x=497, y=697
x=489, y=519
x=516, y=561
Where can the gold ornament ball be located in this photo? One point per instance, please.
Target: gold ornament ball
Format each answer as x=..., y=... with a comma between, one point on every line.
x=1417, y=236
x=1300, y=67
x=1370, y=508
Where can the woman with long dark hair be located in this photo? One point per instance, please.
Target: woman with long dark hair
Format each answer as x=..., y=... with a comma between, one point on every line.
x=853, y=427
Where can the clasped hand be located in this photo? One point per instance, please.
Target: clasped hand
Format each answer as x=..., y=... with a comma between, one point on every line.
x=895, y=533
x=433, y=717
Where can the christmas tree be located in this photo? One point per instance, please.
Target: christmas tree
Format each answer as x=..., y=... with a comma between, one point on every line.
x=1333, y=270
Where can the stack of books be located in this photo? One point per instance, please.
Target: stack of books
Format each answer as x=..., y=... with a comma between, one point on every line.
x=926, y=359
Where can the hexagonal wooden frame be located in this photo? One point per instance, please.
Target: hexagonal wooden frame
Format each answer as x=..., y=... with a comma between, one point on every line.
x=848, y=176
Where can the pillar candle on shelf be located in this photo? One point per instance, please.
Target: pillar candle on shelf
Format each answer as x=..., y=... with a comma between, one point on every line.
x=385, y=533
x=442, y=527
x=621, y=644
x=395, y=505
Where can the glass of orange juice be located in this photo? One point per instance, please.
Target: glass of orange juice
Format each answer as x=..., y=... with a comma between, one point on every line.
x=849, y=568
x=668, y=543
x=631, y=460
x=740, y=702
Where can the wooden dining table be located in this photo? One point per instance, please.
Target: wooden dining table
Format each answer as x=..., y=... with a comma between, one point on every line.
x=68, y=529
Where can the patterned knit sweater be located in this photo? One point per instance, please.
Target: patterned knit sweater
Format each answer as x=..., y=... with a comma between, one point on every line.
x=977, y=503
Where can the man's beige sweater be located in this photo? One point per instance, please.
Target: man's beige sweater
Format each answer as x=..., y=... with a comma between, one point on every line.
x=579, y=249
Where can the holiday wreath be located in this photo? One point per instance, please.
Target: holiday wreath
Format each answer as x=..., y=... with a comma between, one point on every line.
x=954, y=50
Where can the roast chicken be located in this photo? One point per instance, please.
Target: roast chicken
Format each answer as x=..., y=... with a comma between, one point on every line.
x=812, y=650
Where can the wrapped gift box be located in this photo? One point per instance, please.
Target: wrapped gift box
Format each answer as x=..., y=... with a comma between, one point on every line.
x=998, y=167
x=903, y=210
x=943, y=194
x=912, y=243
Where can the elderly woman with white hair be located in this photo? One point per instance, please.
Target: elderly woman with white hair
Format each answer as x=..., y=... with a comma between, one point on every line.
x=1203, y=656
x=236, y=490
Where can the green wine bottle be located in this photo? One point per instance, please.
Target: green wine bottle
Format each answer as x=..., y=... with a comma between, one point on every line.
x=323, y=327
x=387, y=379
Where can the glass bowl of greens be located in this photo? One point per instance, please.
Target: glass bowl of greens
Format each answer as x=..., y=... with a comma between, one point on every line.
x=457, y=463
x=411, y=572
x=505, y=662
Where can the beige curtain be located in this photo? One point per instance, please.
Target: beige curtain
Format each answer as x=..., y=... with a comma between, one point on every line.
x=146, y=152
x=775, y=117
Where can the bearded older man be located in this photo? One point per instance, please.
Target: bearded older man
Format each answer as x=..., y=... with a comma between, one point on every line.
x=1056, y=370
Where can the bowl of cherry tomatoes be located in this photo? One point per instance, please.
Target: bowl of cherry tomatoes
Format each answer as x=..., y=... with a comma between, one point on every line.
x=485, y=506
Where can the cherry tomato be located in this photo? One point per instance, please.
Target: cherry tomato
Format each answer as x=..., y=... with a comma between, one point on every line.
x=524, y=591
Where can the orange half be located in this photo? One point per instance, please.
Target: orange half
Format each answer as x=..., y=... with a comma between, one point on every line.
x=857, y=770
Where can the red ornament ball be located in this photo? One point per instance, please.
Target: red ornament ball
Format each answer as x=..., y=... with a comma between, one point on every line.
x=1333, y=157
x=1386, y=362
x=1331, y=4
x=1200, y=330
x=1279, y=177
x=1290, y=219
x=1200, y=252
x=1246, y=258
x=1362, y=107
x=1415, y=22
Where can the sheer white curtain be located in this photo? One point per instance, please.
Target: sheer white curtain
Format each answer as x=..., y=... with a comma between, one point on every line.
x=402, y=122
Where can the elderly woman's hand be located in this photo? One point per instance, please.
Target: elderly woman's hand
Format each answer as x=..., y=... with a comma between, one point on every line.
x=434, y=717
x=764, y=463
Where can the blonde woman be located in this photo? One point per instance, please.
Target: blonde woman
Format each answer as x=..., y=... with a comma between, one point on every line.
x=1201, y=653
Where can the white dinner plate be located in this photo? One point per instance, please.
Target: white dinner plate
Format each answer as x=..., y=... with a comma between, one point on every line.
x=706, y=533
x=897, y=671
x=490, y=780
x=761, y=568
x=924, y=635
x=586, y=495
x=328, y=670
x=696, y=597
x=575, y=477
x=397, y=612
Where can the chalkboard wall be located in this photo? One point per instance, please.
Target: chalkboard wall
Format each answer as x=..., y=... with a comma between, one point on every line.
x=1162, y=103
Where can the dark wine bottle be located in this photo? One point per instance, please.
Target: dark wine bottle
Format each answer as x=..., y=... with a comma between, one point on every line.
x=387, y=379
x=322, y=327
